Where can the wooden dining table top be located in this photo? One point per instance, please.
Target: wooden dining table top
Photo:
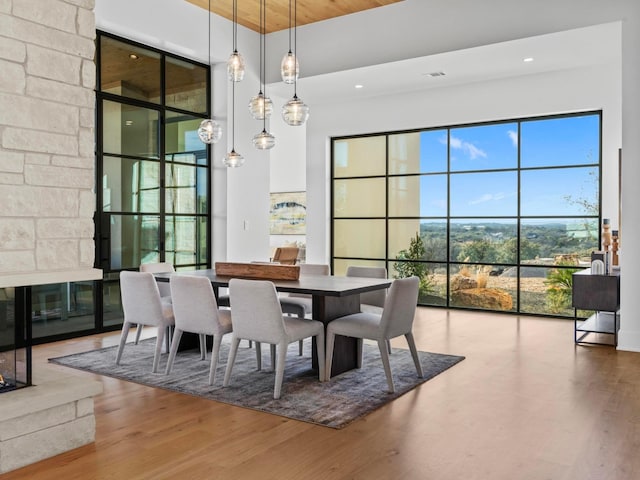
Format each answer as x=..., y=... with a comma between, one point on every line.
x=323, y=285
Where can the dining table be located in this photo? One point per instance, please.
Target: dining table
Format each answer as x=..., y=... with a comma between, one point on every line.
x=332, y=297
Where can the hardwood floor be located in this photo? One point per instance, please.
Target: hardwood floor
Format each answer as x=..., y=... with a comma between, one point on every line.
x=526, y=404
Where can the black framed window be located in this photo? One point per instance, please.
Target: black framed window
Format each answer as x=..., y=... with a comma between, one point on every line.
x=490, y=216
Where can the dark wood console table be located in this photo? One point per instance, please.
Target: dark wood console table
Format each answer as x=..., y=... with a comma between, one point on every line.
x=602, y=294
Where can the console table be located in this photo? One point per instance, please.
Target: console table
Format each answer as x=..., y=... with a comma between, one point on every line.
x=602, y=294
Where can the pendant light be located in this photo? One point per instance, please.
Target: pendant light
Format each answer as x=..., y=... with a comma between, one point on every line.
x=235, y=64
x=263, y=140
x=289, y=67
x=261, y=106
x=209, y=131
x=295, y=112
x=233, y=159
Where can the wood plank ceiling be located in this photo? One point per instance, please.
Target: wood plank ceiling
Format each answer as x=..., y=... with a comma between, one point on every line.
x=309, y=11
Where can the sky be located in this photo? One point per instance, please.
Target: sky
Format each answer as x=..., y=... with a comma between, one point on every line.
x=476, y=150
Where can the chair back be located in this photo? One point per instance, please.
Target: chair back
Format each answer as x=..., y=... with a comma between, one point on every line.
x=140, y=298
x=161, y=267
x=194, y=304
x=286, y=255
x=400, y=307
x=256, y=313
x=377, y=297
x=311, y=269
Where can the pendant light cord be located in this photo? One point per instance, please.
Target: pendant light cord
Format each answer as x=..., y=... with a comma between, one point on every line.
x=263, y=55
x=295, y=45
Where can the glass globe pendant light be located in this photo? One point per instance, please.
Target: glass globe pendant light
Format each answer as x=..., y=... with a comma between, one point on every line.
x=289, y=68
x=209, y=131
x=235, y=64
x=233, y=159
x=264, y=140
x=295, y=112
x=261, y=105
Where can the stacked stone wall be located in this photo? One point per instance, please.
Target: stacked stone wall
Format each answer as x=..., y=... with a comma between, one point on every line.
x=47, y=138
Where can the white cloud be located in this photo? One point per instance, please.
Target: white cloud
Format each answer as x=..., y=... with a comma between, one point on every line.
x=513, y=135
x=469, y=148
x=488, y=197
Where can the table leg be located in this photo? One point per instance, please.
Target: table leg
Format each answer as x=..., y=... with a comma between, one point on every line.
x=325, y=309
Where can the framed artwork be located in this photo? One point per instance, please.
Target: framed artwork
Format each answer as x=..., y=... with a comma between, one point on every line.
x=288, y=213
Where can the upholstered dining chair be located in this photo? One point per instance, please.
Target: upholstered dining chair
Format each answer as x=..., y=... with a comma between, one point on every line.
x=300, y=304
x=396, y=319
x=256, y=315
x=196, y=311
x=370, y=302
x=163, y=287
x=142, y=306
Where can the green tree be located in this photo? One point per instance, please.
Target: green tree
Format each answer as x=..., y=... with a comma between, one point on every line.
x=417, y=267
x=480, y=251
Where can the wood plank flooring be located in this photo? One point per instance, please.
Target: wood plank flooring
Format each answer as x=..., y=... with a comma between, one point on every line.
x=526, y=404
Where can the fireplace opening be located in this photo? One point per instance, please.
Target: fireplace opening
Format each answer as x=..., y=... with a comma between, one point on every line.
x=15, y=341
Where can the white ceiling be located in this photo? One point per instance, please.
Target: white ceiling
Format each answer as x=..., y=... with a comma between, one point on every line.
x=596, y=45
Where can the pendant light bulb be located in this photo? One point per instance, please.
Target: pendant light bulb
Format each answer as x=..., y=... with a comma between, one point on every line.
x=289, y=68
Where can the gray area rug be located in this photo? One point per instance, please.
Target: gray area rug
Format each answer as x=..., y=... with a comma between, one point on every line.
x=335, y=404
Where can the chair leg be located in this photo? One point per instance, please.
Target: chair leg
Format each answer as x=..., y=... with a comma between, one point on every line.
x=384, y=354
x=330, y=338
x=138, y=333
x=300, y=347
x=259, y=355
x=123, y=339
x=203, y=346
x=389, y=346
x=272, y=350
x=233, y=350
x=156, y=354
x=282, y=356
x=322, y=373
x=414, y=353
x=177, y=335
x=215, y=353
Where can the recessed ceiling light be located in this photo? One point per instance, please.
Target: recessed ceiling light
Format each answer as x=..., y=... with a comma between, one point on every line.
x=528, y=59
x=133, y=56
x=359, y=86
x=435, y=74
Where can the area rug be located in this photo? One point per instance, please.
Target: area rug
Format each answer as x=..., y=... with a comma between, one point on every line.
x=334, y=404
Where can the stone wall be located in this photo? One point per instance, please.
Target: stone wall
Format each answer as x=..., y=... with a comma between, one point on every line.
x=47, y=115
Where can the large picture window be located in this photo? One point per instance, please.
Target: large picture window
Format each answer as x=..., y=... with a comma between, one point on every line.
x=490, y=216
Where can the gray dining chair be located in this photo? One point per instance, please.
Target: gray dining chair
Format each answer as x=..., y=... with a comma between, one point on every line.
x=142, y=305
x=163, y=287
x=256, y=315
x=370, y=302
x=301, y=304
x=396, y=319
x=196, y=311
